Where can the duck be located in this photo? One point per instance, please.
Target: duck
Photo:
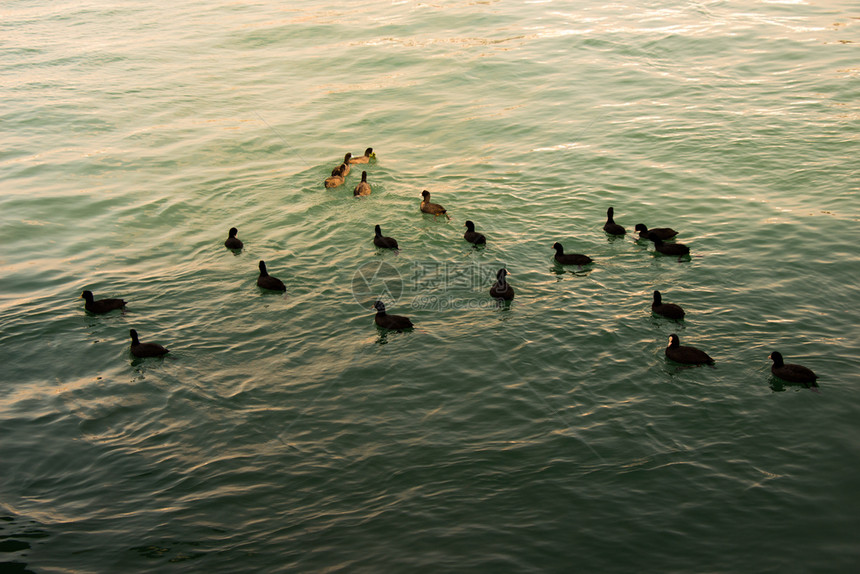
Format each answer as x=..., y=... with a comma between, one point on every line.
x=346, y=161
x=100, y=306
x=363, y=188
x=142, y=350
x=501, y=289
x=391, y=322
x=368, y=153
x=569, y=258
x=473, y=236
x=668, y=310
x=266, y=281
x=385, y=242
x=233, y=242
x=432, y=208
x=661, y=232
x=337, y=177
x=678, y=249
x=610, y=226
x=791, y=372
x=687, y=355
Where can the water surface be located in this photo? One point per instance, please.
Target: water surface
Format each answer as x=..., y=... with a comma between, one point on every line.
x=286, y=433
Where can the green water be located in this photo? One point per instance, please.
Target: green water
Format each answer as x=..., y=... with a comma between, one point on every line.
x=287, y=433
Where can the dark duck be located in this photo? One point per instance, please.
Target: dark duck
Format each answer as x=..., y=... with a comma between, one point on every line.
x=610, y=226
x=569, y=258
x=687, y=355
x=391, y=322
x=501, y=289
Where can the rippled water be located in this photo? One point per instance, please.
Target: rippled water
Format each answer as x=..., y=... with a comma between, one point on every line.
x=287, y=433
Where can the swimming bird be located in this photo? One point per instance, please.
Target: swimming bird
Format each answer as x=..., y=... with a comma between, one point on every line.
x=368, y=153
x=233, y=242
x=385, y=242
x=661, y=232
x=791, y=372
x=266, y=281
x=141, y=350
x=346, y=161
x=688, y=355
x=392, y=322
x=100, y=306
x=501, y=289
x=432, y=208
x=337, y=177
x=610, y=226
x=570, y=258
x=669, y=310
x=473, y=236
x=363, y=188
x=678, y=249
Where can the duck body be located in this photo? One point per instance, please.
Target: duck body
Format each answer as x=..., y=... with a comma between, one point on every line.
x=791, y=372
x=142, y=350
x=368, y=153
x=676, y=249
x=473, y=236
x=687, y=355
x=610, y=226
x=383, y=242
x=501, y=289
x=570, y=258
x=100, y=306
x=432, y=208
x=337, y=177
x=668, y=310
x=233, y=242
x=266, y=281
x=661, y=232
x=391, y=322
x=363, y=188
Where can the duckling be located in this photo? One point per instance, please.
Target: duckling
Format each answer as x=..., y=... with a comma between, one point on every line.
x=266, y=281
x=363, y=188
x=233, y=242
x=661, y=232
x=101, y=306
x=337, y=177
x=791, y=372
x=142, y=350
x=384, y=242
x=501, y=289
x=570, y=258
x=392, y=322
x=473, y=236
x=368, y=153
x=687, y=355
x=610, y=226
x=668, y=310
x=432, y=208
x=678, y=249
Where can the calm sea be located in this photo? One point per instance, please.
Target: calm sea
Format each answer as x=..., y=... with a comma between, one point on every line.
x=286, y=433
